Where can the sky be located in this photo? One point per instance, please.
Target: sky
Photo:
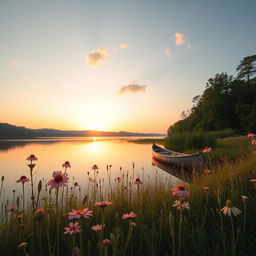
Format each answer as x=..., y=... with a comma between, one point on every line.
x=115, y=65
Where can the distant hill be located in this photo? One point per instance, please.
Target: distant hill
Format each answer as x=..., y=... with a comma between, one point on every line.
x=12, y=131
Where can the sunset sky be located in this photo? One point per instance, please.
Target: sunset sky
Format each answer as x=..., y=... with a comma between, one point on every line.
x=115, y=65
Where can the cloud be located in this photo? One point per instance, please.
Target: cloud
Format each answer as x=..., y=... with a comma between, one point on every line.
x=179, y=38
x=14, y=63
x=97, y=56
x=123, y=46
x=168, y=51
x=132, y=88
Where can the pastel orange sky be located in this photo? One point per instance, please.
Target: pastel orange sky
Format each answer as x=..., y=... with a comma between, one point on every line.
x=115, y=65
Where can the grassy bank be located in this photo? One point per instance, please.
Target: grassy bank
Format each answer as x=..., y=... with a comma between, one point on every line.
x=148, y=141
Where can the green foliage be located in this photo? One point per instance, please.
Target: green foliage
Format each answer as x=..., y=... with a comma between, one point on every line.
x=226, y=102
x=190, y=140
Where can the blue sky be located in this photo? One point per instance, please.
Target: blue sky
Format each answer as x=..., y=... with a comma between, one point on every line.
x=47, y=81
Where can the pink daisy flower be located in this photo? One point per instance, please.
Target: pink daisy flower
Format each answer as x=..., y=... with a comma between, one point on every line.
x=66, y=165
x=132, y=224
x=98, y=227
x=76, y=214
x=59, y=179
x=181, y=205
x=250, y=135
x=138, y=181
x=128, y=216
x=253, y=180
x=73, y=228
x=95, y=167
x=206, y=188
x=32, y=158
x=106, y=241
x=207, y=150
x=180, y=191
x=23, y=179
x=103, y=204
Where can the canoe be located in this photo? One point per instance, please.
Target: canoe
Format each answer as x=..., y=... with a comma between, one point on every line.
x=176, y=158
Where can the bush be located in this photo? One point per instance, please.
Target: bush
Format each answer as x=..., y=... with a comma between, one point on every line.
x=190, y=140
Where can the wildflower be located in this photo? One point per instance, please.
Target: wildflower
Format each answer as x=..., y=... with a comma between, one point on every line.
x=76, y=214
x=12, y=209
x=39, y=214
x=19, y=218
x=59, y=179
x=181, y=205
x=229, y=209
x=23, y=179
x=207, y=150
x=66, y=165
x=22, y=245
x=180, y=191
x=250, y=135
x=253, y=142
x=76, y=184
x=244, y=198
x=132, y=223
x=106, y=241
x=137, y=181
x=95, y=167
x=253, y=180
x=73, y=228
x=207, y=171
x=103, y=204
x=98, y=227
x=32, y=158
x=206, y=188
x=128, y=216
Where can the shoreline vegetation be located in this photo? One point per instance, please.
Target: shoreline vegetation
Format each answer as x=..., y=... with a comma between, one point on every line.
x=213, y=215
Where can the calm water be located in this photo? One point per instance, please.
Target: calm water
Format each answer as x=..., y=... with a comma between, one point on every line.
x=82, y=153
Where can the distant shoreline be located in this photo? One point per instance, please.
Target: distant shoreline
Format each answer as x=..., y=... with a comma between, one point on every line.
x=148, y=137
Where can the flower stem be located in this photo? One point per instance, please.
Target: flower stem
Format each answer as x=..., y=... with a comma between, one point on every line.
x=180, y=225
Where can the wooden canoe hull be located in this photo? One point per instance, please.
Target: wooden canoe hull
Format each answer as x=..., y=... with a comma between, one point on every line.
x=176, y=158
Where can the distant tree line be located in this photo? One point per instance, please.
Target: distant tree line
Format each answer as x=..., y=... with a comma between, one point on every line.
x=227, y=103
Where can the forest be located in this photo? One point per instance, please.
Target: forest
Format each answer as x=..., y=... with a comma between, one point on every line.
x=227, y=102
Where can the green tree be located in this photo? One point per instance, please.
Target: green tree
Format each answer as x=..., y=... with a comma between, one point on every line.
x=247, y=68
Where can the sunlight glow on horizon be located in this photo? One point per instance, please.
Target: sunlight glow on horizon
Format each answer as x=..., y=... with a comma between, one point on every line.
x=73, y=66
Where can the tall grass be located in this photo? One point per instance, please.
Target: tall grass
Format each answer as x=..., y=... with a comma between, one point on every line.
x=190, y=140
x=160, y=228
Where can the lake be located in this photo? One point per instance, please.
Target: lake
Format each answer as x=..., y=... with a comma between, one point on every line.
x=82, y=153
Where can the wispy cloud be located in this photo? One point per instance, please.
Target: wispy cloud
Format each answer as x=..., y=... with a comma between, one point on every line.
x=124, y=46
x=97, y=56
x=14, y=63
x=168, y=52
x=180, y=40
x=132, y=88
